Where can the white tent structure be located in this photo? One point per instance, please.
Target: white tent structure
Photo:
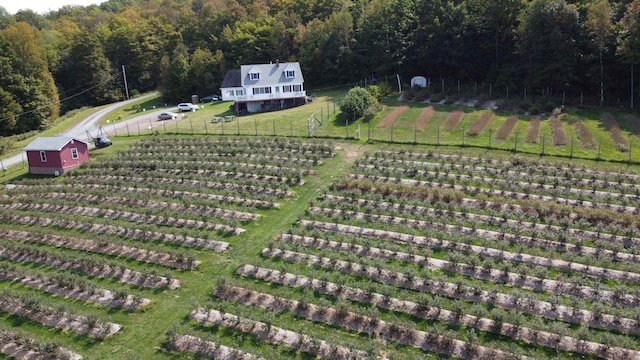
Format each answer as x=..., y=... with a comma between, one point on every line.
x=419, y=81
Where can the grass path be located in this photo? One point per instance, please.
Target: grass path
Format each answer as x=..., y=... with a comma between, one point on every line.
x=173, y=306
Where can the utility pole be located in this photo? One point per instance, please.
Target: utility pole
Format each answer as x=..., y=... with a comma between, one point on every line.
x=126, y=88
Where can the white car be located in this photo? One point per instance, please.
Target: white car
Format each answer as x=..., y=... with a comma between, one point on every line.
x=187, y=107
x=167, y=116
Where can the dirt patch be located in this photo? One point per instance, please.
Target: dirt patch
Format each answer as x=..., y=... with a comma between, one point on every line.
x=633, y=123
x=453, y=120
x=351, y=151
x=610, y=123
x=478, y=126
x=557, y=130
x=424, y=117
x=584, y=135
x=391, y=118
x=507, y=128
x=533, y=131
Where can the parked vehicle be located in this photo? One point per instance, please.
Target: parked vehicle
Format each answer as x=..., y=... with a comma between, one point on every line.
x=210, y=98
x=167, y=116
x=102, y=141
x=187, y=107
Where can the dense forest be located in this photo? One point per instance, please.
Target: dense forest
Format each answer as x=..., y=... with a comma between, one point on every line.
x=76, y=56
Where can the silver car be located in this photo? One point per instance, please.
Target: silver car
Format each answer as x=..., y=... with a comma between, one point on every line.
x=167, y=116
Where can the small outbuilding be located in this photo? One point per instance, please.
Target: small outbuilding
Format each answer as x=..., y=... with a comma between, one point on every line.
x=56, y=155
x=420, y=81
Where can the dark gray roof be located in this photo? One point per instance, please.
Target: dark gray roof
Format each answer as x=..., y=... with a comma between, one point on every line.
x=50, y=143
x=271, y=74
x=232, y=79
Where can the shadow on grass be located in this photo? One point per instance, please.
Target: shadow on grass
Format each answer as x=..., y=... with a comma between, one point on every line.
x=148, y=104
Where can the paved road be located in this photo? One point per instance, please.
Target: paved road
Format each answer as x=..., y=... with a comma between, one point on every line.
x=79, y=130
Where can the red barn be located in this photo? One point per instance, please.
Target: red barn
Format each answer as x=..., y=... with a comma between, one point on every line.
x=56, y=155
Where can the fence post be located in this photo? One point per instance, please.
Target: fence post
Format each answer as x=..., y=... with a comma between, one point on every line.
x=438, y=136
x=127, y=124
x=415, y=139
x=369, y=130
x=515, y=145
x=542, y=145
x=274, y=126
x=222, y=125
x=571, y=148
x=164, y=125
x=150, y=125
x=191, y=124
x=391, y=132
x=238, y=124
x=291, y=127
x=462, y=136
x=490, y=131
x=630, y=142
x=347, y=128
x=137, y=123
x=598, y=158
x=255, y=124
x=206, y=128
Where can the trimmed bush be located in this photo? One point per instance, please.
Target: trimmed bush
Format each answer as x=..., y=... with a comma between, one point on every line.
x=355, y=103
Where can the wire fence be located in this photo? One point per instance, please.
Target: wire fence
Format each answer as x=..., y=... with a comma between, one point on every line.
x=327, y=127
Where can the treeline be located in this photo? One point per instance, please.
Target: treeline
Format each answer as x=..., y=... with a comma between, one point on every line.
x=75, y=56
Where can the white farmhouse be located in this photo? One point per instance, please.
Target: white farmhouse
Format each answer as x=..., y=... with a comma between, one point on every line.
x=264, y=87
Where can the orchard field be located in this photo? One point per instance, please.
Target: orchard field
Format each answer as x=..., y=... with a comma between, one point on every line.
x=251, y=247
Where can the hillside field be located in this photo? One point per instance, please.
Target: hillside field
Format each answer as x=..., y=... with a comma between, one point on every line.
x=262, y=247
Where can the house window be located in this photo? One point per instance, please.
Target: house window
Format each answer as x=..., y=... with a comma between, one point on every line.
x=297, y=87
x=262, y=90
x=290, y=74
x=74, y=153
x=240, y=92
x=254, y=76
x=286, y=88
x=43, y=156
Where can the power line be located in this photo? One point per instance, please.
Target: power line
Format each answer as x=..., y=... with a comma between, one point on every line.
x=60, y=101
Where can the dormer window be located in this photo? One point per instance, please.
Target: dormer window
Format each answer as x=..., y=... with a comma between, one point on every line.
x=254, y=76
x=290, y=74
